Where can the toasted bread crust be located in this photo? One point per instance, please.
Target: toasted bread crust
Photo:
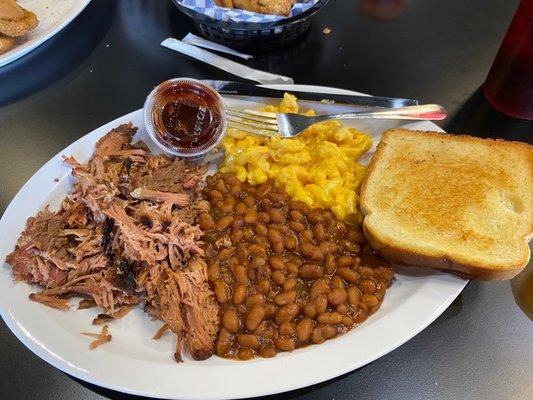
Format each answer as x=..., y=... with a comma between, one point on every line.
x=401, y=256
x=408, y=256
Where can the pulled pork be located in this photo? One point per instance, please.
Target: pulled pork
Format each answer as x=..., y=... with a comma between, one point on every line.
x=126, y=234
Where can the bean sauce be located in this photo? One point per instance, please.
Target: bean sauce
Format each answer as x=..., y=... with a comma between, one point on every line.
x=285, y=275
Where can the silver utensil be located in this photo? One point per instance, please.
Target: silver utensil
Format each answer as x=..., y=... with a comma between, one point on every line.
x=273, y=94
x=291, y=125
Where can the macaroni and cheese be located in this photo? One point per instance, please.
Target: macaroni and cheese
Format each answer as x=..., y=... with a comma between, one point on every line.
x=319, y=167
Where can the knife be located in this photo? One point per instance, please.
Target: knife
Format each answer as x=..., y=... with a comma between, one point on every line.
x=230, y=88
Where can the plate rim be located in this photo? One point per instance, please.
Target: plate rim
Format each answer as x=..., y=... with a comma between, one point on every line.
x=326, y=375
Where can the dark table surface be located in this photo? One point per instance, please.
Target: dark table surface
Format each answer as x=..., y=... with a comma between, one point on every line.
x=106, y=61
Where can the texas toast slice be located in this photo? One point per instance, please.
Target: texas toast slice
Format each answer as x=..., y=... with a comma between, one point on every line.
x=450, y=202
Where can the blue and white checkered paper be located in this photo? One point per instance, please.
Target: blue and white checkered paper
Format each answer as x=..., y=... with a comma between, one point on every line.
x=209, y=8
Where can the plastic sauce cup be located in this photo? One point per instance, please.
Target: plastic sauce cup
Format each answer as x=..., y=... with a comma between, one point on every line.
x=185, y=117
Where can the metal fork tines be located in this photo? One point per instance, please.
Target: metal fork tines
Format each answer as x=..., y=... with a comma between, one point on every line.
x=291, y=125
x=255, y=122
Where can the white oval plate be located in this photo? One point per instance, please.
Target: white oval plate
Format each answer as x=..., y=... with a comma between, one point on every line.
x=53, y=16
x=134, y=363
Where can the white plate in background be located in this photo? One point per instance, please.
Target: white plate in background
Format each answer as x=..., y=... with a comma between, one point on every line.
x=53, y=16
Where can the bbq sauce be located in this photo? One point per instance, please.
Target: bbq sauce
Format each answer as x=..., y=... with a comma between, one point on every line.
x=187, y=116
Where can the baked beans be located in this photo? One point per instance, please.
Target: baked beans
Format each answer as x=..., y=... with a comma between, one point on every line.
x=285, y=275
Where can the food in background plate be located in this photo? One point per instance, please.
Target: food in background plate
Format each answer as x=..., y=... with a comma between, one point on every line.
x=319, y=167
x=127, y=233
x=6, y=43
x=10, y=10
x=455, y=203
x=14, y=21
x=277, y=7
x=285, y=275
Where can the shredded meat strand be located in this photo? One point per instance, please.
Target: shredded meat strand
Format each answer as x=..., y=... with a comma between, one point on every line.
x=161, y=331
x=142, y=193
x=86, y=303
x=100, y=338
x=50, y=301
x=103, y=318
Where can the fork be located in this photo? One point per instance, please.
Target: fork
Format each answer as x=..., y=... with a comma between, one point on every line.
x=291, y=125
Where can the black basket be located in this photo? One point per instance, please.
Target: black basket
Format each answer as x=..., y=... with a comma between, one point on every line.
x=251, y=36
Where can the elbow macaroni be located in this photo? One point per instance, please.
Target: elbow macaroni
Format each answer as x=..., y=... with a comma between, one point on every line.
x=319, y=167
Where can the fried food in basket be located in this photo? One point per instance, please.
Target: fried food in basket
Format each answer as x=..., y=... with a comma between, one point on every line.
x=277, y=7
